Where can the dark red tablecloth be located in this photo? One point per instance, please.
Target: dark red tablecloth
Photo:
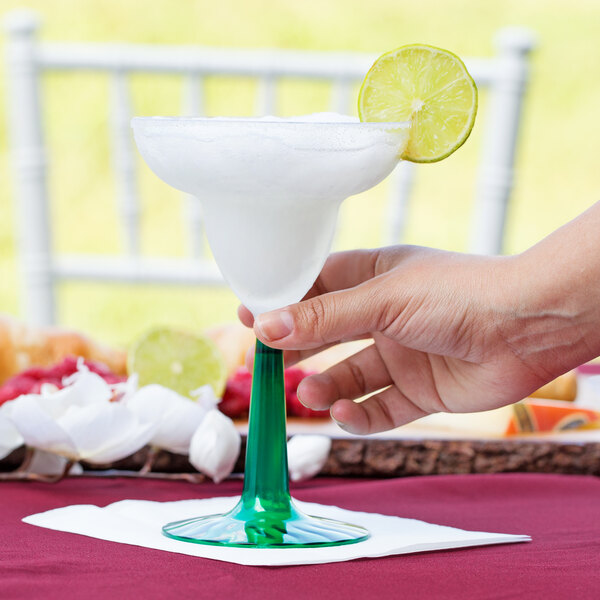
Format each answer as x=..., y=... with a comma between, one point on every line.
x=561, y=513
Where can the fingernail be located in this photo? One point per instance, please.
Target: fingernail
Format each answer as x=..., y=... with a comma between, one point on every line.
x=339, y=423
x=320, y=379
x=298, y=391
x=275, y=325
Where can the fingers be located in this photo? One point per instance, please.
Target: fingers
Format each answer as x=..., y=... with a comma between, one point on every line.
x=290, y=357
x=245, y=316
x=354, y=377
x=383, y=411
x=360, y=374
x=331, y=317
x=342, y=270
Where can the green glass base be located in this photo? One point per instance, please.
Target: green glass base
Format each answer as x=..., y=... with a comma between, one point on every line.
x=265, y=516
x=242, y=527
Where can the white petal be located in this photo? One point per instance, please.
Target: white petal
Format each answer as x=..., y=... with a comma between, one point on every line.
x=82, y=369
x=126, y=388
x=205, y=397
x=150, y=402
x=215, y=446
x=177, y=417
x=45, y=463
x=38, y=428
x=118, y=449
x=10, y=438
x=91, y=427
x=307, y=455
x=48, y=388
x=85, y=387
x=106, y=432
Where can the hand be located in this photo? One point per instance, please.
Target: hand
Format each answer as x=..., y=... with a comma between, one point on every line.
x=451, y=332
x=443, y=329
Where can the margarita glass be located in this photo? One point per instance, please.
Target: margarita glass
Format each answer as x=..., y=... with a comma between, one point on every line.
x=270, y=190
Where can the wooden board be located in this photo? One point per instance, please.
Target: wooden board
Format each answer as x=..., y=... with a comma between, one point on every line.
x=398, y=458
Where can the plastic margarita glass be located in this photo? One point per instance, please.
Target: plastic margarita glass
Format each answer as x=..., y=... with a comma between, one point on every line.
x=270, y=190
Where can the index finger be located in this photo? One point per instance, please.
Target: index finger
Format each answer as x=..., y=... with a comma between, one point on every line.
x=341, y=270
x=347, y=269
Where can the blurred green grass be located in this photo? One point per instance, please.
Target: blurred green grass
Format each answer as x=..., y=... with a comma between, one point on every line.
x=557, y=164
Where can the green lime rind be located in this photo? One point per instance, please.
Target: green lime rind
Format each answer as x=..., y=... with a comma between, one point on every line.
x=431, y=88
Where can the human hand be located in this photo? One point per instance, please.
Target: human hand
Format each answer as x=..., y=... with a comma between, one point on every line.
x=451, y=333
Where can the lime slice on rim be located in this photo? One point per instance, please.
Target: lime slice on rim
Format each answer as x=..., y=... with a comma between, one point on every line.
x=427, y=86
x=178, y=360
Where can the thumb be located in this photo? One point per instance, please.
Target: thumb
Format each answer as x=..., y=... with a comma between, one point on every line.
x=330, y=317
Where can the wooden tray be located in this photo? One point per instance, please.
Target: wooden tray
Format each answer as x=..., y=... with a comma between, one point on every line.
x=407, y=453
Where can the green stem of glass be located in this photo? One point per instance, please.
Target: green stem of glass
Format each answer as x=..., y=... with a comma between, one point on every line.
x=266, y=485
x=265, y=516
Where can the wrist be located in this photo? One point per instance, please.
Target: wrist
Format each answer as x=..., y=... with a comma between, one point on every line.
x=557, y=300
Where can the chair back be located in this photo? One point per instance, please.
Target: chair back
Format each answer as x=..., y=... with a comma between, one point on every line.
x=505, y=74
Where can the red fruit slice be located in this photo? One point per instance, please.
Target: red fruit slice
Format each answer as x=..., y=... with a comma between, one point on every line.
x=31, y=380
x=236, y=399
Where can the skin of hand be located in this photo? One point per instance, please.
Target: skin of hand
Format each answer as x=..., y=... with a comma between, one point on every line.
x=451, y=332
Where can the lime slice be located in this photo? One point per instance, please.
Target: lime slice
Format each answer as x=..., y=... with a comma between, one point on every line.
x=178, y=360
x=427, y=86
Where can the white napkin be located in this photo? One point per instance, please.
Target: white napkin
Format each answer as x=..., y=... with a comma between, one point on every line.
x=139, y=522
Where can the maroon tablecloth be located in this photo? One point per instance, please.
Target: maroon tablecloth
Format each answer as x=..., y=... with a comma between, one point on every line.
x=561, y=513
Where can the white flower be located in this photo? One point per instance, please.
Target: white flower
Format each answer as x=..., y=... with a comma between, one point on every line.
x=177, y=417
x=215, y=446
x=10, y=439
x=45, y=463
x=307, y=455
x=124, y=390
x=80, y=422
x=205, y=397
